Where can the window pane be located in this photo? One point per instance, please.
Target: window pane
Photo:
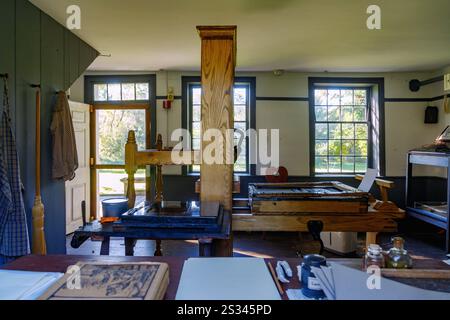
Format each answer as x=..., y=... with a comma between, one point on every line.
x=348, y=131
x=196, y=130
x=142, y=91
x=334, y=147
x=321, y=148
x=128, y=93
x=347, y=97
x=240, y=96
x=362, y=131
x=334, y=97
x=348, y=148
x=242, y=126
x=334, y=131
x=100, y=92
x=334, y=113
x=360, y=164
x=321, y=131
x=348, y=164
x=197, y=96
x=321, y=113
x=360, y=114
x=240, y=122
x=196, y=113
x=240, y=113
x=196, y=144
x=241, y=163
x=114, y=92
x=335, y=164
x=360, y=97
x=347, y=114
x=112, y=132
x=322, y=164
x=341, y=130
x=321, y=97
x=361, y=148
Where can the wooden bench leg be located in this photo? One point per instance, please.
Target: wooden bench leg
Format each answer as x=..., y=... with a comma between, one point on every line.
x=205, y=248
x=129, y=247
x=371, y=238
x=104, y=250
x=158, y=251
x=223, y=248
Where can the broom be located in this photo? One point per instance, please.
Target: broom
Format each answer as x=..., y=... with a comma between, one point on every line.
x=39, y=245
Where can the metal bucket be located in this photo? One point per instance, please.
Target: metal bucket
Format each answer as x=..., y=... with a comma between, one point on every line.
x=114, y=208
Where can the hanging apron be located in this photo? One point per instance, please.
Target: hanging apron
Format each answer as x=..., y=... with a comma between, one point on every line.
x=14, y=241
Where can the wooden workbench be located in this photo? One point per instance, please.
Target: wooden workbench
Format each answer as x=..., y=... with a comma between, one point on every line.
x=371, y=222
x=61, y=263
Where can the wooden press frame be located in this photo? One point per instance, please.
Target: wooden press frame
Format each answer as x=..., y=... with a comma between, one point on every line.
x=218, y=71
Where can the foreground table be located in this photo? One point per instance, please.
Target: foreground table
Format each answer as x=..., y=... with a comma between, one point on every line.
x=61, y=263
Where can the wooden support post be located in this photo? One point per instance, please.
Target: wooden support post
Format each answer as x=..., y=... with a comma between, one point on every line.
x=131, y=167
x=218, y=67
x=218, y=70
x=159, y=178
x=371, y=238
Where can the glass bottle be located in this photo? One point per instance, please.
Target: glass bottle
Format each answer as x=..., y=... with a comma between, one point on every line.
x=398, y=257
x=374, y=257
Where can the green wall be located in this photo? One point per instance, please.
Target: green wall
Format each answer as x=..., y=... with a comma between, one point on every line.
x=35, y=49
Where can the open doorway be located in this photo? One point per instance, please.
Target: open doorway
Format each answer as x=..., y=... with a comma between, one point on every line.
x=119, y=104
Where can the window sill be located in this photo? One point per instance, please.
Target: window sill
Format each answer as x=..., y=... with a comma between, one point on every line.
x=335, y=175
x=236, y=174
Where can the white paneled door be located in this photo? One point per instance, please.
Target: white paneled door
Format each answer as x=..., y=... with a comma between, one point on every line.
x=78, y=190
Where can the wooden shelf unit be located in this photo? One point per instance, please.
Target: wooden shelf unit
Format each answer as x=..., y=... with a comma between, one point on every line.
x=435, y=159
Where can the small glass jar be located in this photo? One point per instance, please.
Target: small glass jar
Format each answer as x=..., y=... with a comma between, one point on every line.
x=374, y=257
x=398, y=257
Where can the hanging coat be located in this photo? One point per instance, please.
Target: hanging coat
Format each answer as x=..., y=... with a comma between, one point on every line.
x=14, y=240
x=65, y=156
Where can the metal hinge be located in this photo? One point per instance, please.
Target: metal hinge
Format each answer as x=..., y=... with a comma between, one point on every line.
x=92, y=161
x=91, y=108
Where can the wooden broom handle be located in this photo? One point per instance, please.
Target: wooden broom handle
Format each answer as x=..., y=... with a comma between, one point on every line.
x=38, y=142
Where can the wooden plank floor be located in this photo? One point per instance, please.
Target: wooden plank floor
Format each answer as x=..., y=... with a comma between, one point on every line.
x=424, y=246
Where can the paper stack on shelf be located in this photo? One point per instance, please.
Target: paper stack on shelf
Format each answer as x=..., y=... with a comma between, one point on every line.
x=22, y=285
x=343, y=283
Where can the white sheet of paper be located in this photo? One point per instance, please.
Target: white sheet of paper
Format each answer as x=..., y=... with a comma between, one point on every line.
x=23, y=285
x=296, y=295
x=226, y=279
x=368, y=180
x=325, y=283
x=351, y=284
x=329, y=274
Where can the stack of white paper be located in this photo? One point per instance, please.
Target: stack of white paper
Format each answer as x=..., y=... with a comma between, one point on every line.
x=343, y=283
x=226, y=279
x=22, y=285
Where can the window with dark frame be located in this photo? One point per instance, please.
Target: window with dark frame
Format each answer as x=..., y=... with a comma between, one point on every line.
x=242, y=117
x=342, y=142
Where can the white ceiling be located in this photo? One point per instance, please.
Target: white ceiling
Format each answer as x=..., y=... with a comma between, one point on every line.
x=297, y=35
